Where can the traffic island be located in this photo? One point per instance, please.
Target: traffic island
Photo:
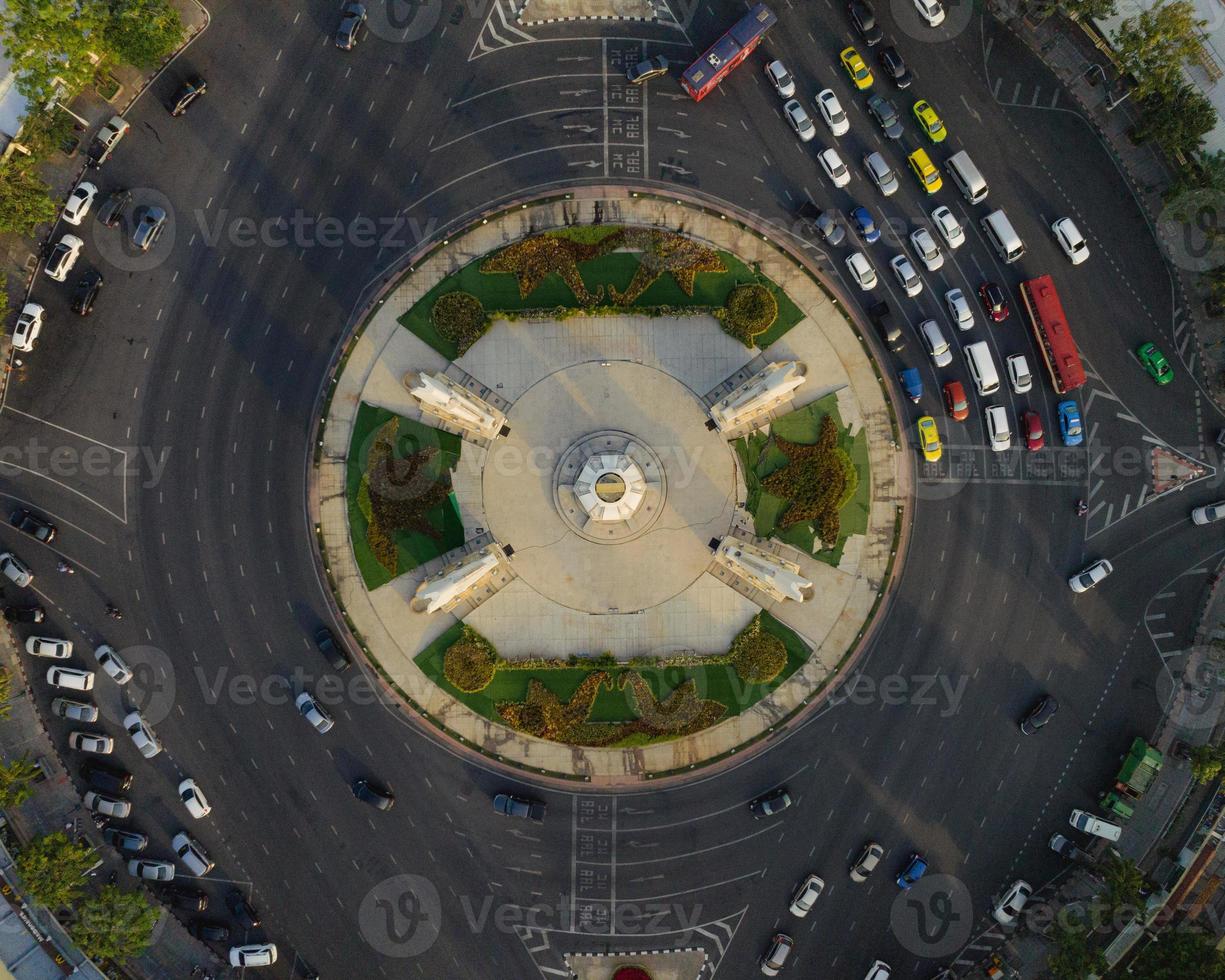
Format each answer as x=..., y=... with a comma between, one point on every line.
x=608, y=500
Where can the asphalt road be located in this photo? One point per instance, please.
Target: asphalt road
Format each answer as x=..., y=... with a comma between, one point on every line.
x=179, y=415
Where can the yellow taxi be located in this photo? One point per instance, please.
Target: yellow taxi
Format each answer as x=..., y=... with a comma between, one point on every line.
x=856, y=68
x=931, y=123
x=925, y=170
x=929, y=438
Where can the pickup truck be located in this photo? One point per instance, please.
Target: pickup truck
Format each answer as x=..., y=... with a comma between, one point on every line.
x=516, y=806
x=107, y=138
x=882, y=317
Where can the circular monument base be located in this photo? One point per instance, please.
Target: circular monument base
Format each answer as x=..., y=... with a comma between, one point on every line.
x=610, y=487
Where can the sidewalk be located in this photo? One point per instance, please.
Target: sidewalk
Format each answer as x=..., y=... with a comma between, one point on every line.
x=55, y=806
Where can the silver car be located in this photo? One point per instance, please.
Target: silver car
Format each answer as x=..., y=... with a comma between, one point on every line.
x=799, y=120
x=151, y=870
x=142, y=735
x=108, y=806
x=150, y=220
x=312, y=712
x=881, y=173
x=113, y=664
x=191, y=854
x=75, y=710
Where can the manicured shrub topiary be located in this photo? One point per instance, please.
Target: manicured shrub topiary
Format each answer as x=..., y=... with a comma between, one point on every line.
x=460, y=318
x=758, y=656
x=749, y=311
x=470, y=662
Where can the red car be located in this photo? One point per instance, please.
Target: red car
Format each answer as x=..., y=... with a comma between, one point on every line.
x=994, y=301
x=955, y=401
x=1031, y=425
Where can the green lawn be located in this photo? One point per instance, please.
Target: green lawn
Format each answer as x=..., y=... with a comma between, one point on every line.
x=718, y=681
x=412, y=548
x=760, y=458
x=500, y=291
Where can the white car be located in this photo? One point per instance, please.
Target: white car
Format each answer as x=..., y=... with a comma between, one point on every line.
x=1089, y=824
x=29, y=326
x=113, y=664
x=949, y=227
x=257, y=954
x=1208, y=513
x=312, y=712
x=998, y=432
x=194, y=799
x=798, y=117
x=879, y=970
x=1012, y=903
x=781, y=79
x=191, y=854
x=931, y=12
x=906, y=277
x=881, y=173
x=1085, y=580
x=806, y=896
x=70, y=678
x=49, y=646
x=1018, y=373
x=77, y=205
x=832, y=112
x=834, y=168
x=960, y=310
x=15, y=569
x=63, y=257
x=89, y=742
x=142, y=735
x=861, y=271
x=1070, y=240
x=936, y=345
x=926, y=249
x=75, y=710
x=151, y=870
x=108, y=806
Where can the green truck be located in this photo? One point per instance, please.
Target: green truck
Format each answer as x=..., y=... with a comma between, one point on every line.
x=1137, y=774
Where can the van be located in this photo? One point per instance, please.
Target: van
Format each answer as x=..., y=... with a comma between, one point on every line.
x=776, y=954
x=1091, y=825
x=966, y=176
x=1000, y=234
x=982, y=368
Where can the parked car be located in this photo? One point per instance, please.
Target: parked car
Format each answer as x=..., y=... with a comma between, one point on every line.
x=114, y=207
x=25, y=614
x=63, y=257
x=242, y=910
x=107, y=779
x=74, y=710
x=1012, y=903
x=29, y=325
x=330, y=649
x=89, y=287
x=185, y=95
x=194, y=799
x=378, y=796
x=1065, y=848
x=771, y=803
x=1039, y=715
x=70, y=678
x=108, y=806
x=113, y=664
x=49, y=646
x=806, y=896
x=313, y=712
x=186, y=898
x=644, y=71
x=142, y=735
x=149, y=220
x=867, y=861
x=106, y=140
x=517, y=806
x=150, y=869
x=33, y=525
x=78, y=203
x=91, y=742
x=192, y=854
x=255, y=954
x=210, y=931
x=1084, y=580
x=128, y=841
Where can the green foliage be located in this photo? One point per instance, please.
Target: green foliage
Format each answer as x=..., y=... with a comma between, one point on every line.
x=1207, y=761
x=851, y=475
x=750, y=311
x=1179, y=954
x=52, y=869
x=460, y=318
x=114, y=926
x=17, y=781
x=1124, y=882
x=1177, y=118
x=142, y=32
x=43, y=133
x=25, y=201
x=1075, y=956
x=49, y=39
x=812, y=482
x=1155, y=45
x=470, y=662
x=757, y=656
x=1087, y=9
x=6, y=679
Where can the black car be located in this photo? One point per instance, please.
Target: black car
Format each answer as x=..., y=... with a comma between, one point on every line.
x=1039, y=715
x=517, y=806
x=1066, y=849
x=886, y=324
x=864, y=18
x=114, y=207
x=894, y=67
x=187, y=93
x=352, y=26
x=885, y=114
x=330, y=649
x=108, y=779
x=25, y=614
x=210, y=931
x=775, y=801
x=128, y=841
x=32, y=525
x=186, y=898
x=644, y=71
x=379, y=797
x=241, y=909
x=88, y=288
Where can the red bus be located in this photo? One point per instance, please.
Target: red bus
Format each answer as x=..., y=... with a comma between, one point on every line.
x=1052, y=333
x=700, y=78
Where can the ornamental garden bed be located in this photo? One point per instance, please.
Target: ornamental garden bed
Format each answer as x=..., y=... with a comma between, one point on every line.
x=763, y=455
x=402, y=512
x=598, y=694
x=574, y=271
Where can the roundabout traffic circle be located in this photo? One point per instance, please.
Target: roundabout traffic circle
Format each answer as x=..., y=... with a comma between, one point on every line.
x=580, y=517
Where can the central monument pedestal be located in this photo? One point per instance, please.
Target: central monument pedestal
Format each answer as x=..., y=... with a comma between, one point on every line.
x=609, y=487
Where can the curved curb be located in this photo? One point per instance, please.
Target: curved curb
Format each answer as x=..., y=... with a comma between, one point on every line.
x=903, y=477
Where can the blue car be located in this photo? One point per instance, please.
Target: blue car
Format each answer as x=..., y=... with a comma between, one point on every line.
x=864, y=224
x=1069, y=424
x=912, y=383
x=912, y=872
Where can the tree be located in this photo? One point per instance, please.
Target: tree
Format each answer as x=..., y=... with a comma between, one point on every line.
x=50, y=39
x=6, y=679
x=1178, y=954
x=1088, y=9
x=1154, y=45
x=143, y=32
x=52, y=867
x=1178, y=119
x=1075, y=956
x=1124, y=883
x=42, y=133
x=25, y=201
x=114, y=925
x=17, y=779
x=1207, y=762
